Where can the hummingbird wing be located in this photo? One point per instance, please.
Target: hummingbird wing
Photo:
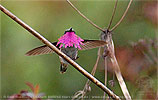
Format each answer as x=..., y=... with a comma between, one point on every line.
x=41, y=50
x=90, y=44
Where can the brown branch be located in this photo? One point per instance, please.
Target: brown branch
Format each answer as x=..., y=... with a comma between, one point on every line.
x=85, y=16
x=114, y=10
x=57, y=51
x=122, y=16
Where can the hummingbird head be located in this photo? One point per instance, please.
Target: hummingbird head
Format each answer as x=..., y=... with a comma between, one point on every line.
x=70, y=39
x=69, y=30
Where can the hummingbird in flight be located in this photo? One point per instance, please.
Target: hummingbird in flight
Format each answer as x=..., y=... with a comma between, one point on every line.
x=69, y=44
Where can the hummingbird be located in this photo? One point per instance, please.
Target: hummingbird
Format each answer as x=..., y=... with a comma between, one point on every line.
x=69, y=44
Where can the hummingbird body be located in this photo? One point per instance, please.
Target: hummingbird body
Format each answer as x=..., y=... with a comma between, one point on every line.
x=69, y=44
x=70, y=52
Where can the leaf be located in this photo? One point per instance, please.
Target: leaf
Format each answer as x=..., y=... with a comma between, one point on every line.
x=30, y=85
x=36, y=90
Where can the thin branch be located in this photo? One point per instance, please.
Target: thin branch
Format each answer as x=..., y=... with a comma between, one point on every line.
x=118, y=72
x=120, y=79
x=84, y=91
x=114, y=10
x=96, y=64
x=85, y=16
x=57, y=51
x=122, y=16
x=105, y=66
x=105, y=74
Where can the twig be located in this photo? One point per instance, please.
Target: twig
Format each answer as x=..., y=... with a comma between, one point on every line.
x=122, y=16
x=120, y=79
x=57, y=51
x=105, y=74
x=84, y=91
x=85, y=16
x=114, y=10
x=118, y=71
x=96, y=64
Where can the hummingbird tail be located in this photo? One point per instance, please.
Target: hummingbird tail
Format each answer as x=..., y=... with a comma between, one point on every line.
x=63, y=68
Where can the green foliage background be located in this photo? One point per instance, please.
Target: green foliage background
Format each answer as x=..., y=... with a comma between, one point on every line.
x=51, y=19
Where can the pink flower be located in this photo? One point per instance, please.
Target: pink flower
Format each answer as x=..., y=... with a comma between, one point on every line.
x=70, y=39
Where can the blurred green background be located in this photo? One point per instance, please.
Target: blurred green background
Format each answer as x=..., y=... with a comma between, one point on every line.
x=51, y=19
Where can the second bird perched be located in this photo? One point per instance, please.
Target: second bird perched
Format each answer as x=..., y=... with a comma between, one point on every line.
x=69, y=44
